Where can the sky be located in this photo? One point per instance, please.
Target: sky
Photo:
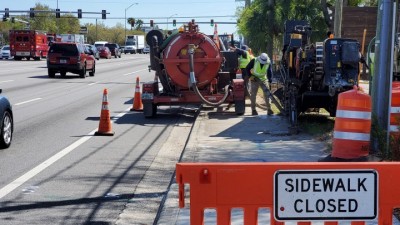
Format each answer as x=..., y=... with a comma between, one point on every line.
x=157, y=10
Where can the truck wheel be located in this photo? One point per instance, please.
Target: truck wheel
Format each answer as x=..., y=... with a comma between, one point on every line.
x=6, y=130
x=149, y=110
x=82, y=73
x=51, y=73
x=91, y=73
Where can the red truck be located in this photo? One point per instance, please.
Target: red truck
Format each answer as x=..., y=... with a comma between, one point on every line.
x=28, y=44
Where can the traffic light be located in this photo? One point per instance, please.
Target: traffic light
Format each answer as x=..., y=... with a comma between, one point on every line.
x=132, y=22
x=32, y=13
x=12, y=19
x=103, y=14
x=212, y=22
x=57, y=13
x=174, y=23
x=79, y=13
x=6, y=13
x=151, y=23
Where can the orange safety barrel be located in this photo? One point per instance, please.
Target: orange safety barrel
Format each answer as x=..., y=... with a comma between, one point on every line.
x=395, y=110
x=351, y=136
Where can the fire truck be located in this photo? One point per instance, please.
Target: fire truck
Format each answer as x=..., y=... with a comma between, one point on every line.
x=28, y=44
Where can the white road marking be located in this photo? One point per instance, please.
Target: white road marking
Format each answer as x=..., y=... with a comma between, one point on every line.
x=134, y=72
x=39, y=168
x=93, y=83
x=6, y=81
x=32, y=100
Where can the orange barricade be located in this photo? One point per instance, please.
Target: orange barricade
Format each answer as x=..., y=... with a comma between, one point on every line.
x=351, y=134
x=395, y=110
x=301, y=192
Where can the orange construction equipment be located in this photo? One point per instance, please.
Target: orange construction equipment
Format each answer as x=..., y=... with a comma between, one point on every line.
x=351, y=135
x=137, y=99
x=105, y=121
x=302, y=192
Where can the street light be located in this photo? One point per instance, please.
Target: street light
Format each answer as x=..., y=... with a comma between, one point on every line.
x=170, y=18
x=125, y=14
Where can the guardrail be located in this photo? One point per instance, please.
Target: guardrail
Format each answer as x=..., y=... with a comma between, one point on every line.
x=297, y=192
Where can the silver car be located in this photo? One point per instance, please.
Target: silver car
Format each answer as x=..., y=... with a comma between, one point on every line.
x=5, y=52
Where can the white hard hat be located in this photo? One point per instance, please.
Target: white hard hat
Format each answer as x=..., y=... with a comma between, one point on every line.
x=263, y=58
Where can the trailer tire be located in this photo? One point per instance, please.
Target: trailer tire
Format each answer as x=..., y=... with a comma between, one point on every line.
x=149, y=109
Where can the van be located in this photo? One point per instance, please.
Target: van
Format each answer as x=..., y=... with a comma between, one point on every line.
x=100, y=43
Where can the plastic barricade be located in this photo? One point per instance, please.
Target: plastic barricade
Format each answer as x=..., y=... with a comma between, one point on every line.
x=251, y=186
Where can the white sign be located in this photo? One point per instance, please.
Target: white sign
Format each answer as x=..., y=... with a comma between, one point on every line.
x=305, y=195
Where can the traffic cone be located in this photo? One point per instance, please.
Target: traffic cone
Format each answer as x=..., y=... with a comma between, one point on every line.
x=137, y=99
x=105, y=121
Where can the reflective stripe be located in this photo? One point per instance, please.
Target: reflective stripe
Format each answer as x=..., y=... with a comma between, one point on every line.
x=351, y=136
x=394, y=128
x=353, y=114
x=394, y=109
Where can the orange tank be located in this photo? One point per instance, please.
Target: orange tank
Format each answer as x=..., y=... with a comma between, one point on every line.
x=207, y=57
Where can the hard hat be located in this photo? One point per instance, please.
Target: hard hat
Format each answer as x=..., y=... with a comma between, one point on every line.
x=263, y=58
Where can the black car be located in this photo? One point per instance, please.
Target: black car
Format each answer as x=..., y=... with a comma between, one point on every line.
x=7, y=124
x=115, y=49
x=93, y=50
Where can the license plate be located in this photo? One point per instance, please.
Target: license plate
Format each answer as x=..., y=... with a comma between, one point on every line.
x=22, y=53
x=63, y=61
x=305, y=195
x=147, y=95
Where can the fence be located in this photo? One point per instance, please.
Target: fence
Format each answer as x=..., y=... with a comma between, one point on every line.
x=297, y=192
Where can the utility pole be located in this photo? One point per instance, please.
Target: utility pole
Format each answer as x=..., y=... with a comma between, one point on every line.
x=382, y=80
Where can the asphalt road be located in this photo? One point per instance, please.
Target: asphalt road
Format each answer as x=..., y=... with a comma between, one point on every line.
x=57, y=172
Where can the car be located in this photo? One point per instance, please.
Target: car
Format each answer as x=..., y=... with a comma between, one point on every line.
x=7, y=122
x=70, y=57
x=100, y=43
x=104, y=52
x=146, y=49
x=115, y=49
x=5, y=52
x=94, y=51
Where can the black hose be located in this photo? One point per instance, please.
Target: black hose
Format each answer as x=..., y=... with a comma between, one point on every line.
x=193, y=82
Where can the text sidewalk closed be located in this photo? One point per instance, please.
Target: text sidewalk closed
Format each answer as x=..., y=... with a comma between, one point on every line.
x=305, y=195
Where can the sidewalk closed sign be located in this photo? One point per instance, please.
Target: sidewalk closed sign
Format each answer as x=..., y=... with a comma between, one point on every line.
x=305, y=195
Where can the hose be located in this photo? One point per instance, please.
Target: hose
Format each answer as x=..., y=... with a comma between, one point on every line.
x=193, y=81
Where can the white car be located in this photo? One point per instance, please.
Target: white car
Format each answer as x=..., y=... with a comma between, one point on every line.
x=146, y=49
x=5, y=52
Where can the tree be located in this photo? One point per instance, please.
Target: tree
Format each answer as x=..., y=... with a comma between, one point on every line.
x=139, y=24
x=130, y=21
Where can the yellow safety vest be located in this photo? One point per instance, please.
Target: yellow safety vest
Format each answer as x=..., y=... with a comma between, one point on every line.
x=260, y=73
x=244, y=61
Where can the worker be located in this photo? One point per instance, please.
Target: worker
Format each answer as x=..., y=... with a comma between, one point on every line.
x=243, y=60
x=260, y=73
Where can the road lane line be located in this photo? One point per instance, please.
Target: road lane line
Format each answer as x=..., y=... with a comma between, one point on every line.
x=134, y=72
x=93, y=83
x=32, y=100
x=6, y=81
x=39, y=168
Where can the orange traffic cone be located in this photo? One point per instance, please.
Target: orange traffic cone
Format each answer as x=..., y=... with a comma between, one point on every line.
x=105, y=121
x=137, y=99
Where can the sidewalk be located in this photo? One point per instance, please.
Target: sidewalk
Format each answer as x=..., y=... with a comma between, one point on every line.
x=219, y=135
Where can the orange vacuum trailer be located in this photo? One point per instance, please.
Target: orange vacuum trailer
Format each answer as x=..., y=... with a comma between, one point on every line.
x=191, y=69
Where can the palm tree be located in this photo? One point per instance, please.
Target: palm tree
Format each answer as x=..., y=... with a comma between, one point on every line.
x=139, y=24
x=131, y=21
